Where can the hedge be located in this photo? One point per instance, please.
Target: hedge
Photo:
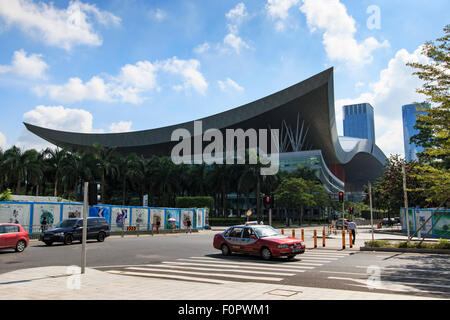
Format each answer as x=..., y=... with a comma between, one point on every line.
x=195, y=202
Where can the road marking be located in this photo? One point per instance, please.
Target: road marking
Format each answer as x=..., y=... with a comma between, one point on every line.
x=210, y=274
x=293, y=269
x=404, y=269
x=327, y=253
x=240, y=262
x=221, y=269
x=398, y=283
x=389, y=275
x=155, y=275
x=314, y=258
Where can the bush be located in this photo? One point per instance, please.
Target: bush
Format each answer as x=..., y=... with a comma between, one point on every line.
x=195, y=202
x=379, y=244
x=6, y=195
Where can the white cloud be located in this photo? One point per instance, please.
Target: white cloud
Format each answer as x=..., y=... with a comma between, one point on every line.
x=129, y=85
x=202, y=48
x=158, y=14
x=31, y=66
x=188, y=69
x=396, y=87
x=54, y=117
x=235, y=42
x=229, y=84
x=121, y=126
x=62, y=28
x=278, y=10
x=2, y=141
x=331, y=17
x=235, y=18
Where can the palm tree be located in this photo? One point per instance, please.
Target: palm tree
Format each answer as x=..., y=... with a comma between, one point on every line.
x=14, y=166
x=33, y=169
x=131, y=169
x=105, y=161
x=54, y=159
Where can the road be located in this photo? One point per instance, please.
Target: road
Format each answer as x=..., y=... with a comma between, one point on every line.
x=191, y=257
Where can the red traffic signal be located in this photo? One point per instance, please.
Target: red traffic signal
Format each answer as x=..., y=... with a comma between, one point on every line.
x=341, y=197
x=351, y=209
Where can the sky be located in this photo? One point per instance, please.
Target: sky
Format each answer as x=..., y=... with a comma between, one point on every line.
x=127, y=65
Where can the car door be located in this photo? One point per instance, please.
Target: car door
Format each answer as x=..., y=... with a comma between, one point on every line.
x=92, y=228
x=2, y=237
x=78, y=230
x=11, y=236
x=234, y=239
x=248, y=241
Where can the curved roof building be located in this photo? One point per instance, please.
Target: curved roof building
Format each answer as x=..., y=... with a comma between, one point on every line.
x=304, y=114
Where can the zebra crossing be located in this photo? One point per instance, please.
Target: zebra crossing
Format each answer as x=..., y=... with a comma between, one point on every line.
x=221, y=270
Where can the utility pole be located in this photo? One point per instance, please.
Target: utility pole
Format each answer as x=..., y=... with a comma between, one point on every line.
x=84, y=231
x=371, y=210
x=406, y=199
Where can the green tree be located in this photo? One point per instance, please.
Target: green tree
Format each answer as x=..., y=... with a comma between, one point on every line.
x=434, y=128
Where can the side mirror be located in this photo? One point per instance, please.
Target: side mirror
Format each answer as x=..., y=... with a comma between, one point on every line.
x=252, y=236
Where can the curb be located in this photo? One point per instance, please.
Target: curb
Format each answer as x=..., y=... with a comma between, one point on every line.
x=406, y=250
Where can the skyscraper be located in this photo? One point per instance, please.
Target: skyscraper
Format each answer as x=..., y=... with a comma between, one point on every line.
x=409, y=116
x=359, y=121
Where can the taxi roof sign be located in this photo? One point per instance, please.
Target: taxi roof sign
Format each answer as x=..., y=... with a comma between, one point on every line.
x=251, y=222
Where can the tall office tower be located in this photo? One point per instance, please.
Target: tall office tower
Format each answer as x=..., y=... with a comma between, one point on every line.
x=359, y=121
x=409, y=115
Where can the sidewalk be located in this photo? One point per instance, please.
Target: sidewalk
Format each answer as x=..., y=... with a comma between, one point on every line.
x=55, y=283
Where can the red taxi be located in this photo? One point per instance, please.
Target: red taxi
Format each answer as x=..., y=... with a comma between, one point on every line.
x=13, y=235
x=261, y=240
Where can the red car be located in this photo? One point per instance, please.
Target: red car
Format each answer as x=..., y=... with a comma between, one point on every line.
x=13, y=236
x=260, y=240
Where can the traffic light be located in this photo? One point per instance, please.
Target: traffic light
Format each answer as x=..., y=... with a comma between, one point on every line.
x=268, y=201
x=341, y=197
x=351, y=210
x=94, y=192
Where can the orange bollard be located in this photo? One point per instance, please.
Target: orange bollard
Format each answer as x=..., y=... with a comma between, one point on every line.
x=282, y=231
x=315, y=239
x=323, y=238
x=343, y=239
x=350, y=238
x=303, y=235
x=293, y=233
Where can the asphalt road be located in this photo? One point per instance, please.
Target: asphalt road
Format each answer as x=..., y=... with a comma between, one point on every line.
x=191, y=257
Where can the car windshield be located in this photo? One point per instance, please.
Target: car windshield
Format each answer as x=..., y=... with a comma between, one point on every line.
x=266, y=232
x=66, y=223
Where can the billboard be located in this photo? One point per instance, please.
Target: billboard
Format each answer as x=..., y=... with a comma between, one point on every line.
x=139, y=216
x=120, y=217
x=172, y=219
x=72, y=211
x=155, y=216
x=15, y=213
x=45, y=214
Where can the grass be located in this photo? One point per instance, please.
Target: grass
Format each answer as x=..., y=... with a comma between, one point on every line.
x=441, y=244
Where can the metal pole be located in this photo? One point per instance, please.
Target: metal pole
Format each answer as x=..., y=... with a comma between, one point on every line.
x=406, y=199
x=371, y=210
x=270, y=216
x=84, y=231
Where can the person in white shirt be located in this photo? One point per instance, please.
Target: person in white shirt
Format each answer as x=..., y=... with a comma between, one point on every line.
x=352, y=227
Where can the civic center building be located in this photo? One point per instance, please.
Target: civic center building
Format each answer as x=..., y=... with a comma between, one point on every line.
x=303, y=113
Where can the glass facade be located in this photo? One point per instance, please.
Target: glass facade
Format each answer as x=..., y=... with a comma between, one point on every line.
x=359, y=121
x=409, y=116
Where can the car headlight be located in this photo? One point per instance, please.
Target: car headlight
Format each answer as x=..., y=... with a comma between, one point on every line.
x=283, y=246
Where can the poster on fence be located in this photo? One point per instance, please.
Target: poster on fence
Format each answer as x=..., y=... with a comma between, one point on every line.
x=45, y=216
x=187, y=215
x=15, y=213
x=72, y=211
x=199, y=218
x=442, y=224
x=139, y=216
x=119, y=217
x=157, y=215
x=421, y=217
x=410, y=219
x=172, y=219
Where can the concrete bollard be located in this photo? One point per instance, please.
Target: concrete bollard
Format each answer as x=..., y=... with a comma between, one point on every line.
x=315, y=238
x=323, y=238
x=343, y=239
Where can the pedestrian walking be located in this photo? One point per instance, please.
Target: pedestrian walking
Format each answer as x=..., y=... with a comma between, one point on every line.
x=188, y=225
x=352, y=227
x=44, y=224
x=158, y=224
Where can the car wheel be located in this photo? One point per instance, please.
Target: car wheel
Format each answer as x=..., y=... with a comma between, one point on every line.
x=101, y=237
x=68, y=239
x=20, y=246
x=225, y=250
x=48, y=243
x=266, y=254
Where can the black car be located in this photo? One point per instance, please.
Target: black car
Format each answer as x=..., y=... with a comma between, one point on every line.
x=69, y=230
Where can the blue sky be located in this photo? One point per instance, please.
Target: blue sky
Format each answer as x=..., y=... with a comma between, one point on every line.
x=111, y=66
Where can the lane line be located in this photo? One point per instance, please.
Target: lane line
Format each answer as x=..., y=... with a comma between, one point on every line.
x=389, y=275
x=293, y=269
x=224, y=270
x=403, y=269
x=210, y=274
x=155, y=275
x=400, y=282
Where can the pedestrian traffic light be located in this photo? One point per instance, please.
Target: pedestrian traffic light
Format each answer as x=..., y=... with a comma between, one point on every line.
x=351, y=210
x=94, y=195
x=341, y=197
x=266, y=201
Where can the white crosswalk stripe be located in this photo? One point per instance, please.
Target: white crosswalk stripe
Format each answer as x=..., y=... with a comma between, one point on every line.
x=220, y=270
